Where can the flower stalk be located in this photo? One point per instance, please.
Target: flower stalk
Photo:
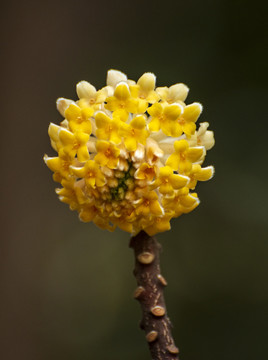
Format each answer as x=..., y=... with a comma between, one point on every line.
x=149, y=293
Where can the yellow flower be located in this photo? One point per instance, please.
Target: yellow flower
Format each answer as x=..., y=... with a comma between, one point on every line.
x=79, y=118
x=63, y=104
x=129, y=155
x=167, y=181
x=200, y=174
x=160, y=224
x=60, y=165
x=91, y=213
x=188, y=118
x=184, y=156
x=53, y=132
x=144, y=90
x=88, y=213
x=174, y=94
x=182, y=202
x=108, y=129
x=202, y=137
x=89, y=96
x=91, y=173
x=149, y=205
x=107, y=154
x=134, y=133
x=122, y=99
x=75, y=144
x=153, y=151
x=71, y=193
x=165, y=117
x=145, y=172
x=123, y=223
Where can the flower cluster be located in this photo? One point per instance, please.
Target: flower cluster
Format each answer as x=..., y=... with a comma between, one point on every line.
x=129, y=155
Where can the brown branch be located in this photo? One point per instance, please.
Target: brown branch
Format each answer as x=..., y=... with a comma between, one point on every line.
x=149, y=293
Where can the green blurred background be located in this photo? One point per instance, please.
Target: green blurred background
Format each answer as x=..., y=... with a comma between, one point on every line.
x=66, y=287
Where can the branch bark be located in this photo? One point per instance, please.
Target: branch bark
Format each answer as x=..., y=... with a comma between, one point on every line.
x=149, y=293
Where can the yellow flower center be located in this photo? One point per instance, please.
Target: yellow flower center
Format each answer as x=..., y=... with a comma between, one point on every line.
x=90, y=173
x=108, y=152
x=146, y=202
x=66, y=165
x=149, y=172
x=76, y=145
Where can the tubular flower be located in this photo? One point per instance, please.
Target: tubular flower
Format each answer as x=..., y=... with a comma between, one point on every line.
x=78, y=119
x=184, y=156
x=166, y=118
x=89, y=96
x=129, y=154
x=74, y=143
x=134, y=133
x=167, y=181
x=144, y=90
x=107, y=128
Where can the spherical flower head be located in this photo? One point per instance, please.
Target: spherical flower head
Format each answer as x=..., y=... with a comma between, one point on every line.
x=130, y=155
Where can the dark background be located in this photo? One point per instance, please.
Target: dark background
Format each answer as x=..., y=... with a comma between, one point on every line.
x=66, y=287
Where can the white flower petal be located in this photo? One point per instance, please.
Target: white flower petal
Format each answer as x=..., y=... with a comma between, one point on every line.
x=114, y=77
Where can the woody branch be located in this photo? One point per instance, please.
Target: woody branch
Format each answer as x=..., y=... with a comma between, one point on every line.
x=149, y=293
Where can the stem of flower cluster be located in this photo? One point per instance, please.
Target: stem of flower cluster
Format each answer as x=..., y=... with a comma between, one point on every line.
x=149, y=293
